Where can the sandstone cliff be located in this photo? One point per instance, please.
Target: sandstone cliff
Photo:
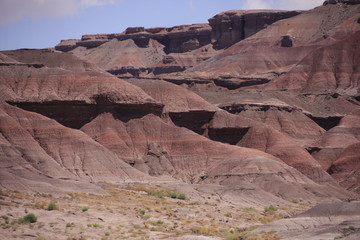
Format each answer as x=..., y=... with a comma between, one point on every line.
x=233, y=26
x=140, y=52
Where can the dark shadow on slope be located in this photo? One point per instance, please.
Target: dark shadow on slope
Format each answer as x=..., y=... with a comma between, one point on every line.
x=75, y=114
x=193, y=120
x=326, y=122
x=227, y=135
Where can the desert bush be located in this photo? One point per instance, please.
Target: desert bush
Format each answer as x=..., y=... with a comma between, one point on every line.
x=181, y=197
x=52, y=206
x=70, y=225
x=207, y=231
x=156, y=194
x=172, y=195
x=84, y=209
x=158, y=222
x=29, y=218
x=270, y=208
x=6, y=218
x=177, y=196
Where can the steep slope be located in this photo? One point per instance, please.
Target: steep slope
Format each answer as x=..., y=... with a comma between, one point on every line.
x=44, y=152
x=74, y=90
x=338, y=138
x=278, y=48
x=40, y=155
x=346, y=169
x=156, y=147
x=184, y=108
x=332, y=68
x=279, y=130
x=119, y=57
x=283, y=134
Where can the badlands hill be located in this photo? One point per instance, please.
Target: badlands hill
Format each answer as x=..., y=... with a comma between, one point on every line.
x=264, y=105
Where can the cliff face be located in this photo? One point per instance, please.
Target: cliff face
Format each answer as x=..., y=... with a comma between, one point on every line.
x=140, y=51
x=175, y=39
x=233, y=26
x=223, y=30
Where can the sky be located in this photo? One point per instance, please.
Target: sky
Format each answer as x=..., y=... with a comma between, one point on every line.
x=43, y=23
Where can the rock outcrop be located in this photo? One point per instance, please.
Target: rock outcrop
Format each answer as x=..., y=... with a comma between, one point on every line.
x=265, y=50
x=72, y=92
x=175, y=39
x=143, y=52
x=233, y=26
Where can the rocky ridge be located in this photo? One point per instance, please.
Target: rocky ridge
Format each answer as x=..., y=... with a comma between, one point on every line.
x=195, y=41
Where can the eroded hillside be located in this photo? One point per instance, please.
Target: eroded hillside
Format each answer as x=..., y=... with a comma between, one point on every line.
x=256, y=108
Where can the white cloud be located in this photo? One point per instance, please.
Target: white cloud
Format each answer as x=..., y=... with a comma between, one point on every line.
x=192, y=5
x=257, y=4
x=298, y=5
x=281, y=4
x=12, y=10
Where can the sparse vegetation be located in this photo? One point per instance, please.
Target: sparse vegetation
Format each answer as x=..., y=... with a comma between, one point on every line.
x=39, y=205
x=272, y=235
x=270, y=208
x=156, y=194
x=249, y=209
x=29, y=218
x=150, y=216
x=6, y=219
x=206, y=230
x=70, y=225
x=95, y=225
x=181, y=197
x=177, y=196
x=52, y=206
x=172, y=195
x=156, y=223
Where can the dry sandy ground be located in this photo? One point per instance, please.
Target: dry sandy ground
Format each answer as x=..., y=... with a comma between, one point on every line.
x=139, y=211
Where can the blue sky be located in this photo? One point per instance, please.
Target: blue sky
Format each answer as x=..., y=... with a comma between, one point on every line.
x=43, y=23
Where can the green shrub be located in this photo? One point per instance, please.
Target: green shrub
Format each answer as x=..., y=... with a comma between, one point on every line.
x=270, y=208
x=158, y=222
x=6, y=218
x=84, y=209
x=172, y=195
x=70, y=225
x=29, y=218
x=181, y=197
x=177, y=196
x=157, y=194
x=52, y=206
